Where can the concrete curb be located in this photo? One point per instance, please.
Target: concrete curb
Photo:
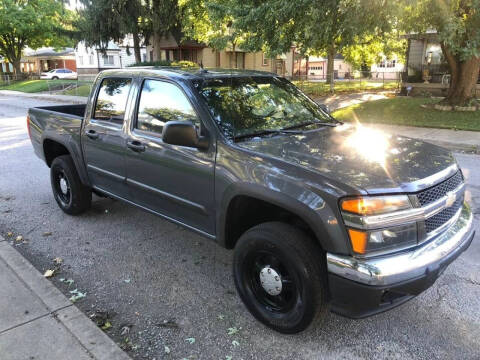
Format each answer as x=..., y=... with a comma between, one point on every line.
x=70, y=322
x=68, y=99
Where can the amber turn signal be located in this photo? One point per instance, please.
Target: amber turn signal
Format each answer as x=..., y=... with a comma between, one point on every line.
x=358, y=240
x=376, y=204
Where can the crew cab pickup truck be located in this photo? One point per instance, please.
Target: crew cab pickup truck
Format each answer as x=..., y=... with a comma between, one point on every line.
x=320, y=214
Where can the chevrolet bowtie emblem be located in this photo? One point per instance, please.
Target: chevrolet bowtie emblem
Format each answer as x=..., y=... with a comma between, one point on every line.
x=451, y=197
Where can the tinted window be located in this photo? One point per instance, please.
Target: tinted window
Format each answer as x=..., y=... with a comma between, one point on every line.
x=112, y=99
x=161, y=102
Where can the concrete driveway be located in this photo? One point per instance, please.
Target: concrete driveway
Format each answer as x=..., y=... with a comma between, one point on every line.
x=162, y=285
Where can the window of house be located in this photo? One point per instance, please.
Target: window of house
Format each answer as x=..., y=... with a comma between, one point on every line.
x=112, y=99
x=340, y=66
x=381, y=64
x=264, y=60
x=90, y=59
x=80, y=60
x=144, y=57
x=108, y=60
x=160, y=102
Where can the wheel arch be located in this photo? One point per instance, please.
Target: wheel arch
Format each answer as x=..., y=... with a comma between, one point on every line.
x=53, y=148
x=247, y=207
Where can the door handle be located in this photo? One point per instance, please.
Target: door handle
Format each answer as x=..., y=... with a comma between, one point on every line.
x=92, y=134
x=136, y=145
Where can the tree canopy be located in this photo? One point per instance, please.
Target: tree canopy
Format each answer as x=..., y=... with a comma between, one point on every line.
x=32, y=23
x=457, y=24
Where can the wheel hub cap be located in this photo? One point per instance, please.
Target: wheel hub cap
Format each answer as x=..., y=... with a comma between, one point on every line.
x=271, y=281
x=63, y=186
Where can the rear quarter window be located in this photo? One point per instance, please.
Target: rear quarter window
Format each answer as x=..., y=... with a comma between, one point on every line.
x=112, y=99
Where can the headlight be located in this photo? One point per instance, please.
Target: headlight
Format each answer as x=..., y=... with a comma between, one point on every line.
x=358, y=210
x=375, y=205
x=364, y=242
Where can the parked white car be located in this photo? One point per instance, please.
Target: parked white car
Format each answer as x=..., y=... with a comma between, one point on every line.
x=56, y=74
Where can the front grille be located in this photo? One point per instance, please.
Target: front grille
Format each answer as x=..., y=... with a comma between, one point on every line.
x=436, y=192
x=443, y=216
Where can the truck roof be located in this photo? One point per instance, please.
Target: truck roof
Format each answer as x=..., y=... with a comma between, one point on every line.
x=186, y=73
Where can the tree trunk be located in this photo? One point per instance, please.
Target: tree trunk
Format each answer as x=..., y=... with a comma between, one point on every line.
x=157, y=52
x=136, y=48
x=16, y=67
x=330, y=63
x=463, y=79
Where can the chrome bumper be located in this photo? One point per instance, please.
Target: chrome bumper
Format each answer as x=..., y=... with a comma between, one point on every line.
x=388, y=270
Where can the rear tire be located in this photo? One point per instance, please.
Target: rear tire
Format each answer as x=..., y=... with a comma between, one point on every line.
x=280, y=275
x=71, y=195
x=55, y=78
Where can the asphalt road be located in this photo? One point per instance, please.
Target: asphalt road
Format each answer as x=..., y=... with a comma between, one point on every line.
x=144, y=271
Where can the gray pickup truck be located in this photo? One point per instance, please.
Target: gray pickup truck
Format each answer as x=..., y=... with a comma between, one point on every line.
x=321, y=215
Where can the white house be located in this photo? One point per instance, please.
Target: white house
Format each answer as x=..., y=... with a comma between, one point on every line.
x=90, y=61
x=388, y=68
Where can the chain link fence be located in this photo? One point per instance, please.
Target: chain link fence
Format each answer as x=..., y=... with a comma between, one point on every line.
x=316, y=82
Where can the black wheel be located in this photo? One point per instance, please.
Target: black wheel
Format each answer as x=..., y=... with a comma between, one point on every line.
x=55, y=78
x=280, y=275
x=71, y=195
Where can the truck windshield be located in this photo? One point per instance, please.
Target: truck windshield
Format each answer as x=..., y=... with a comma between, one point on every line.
x=257, y=105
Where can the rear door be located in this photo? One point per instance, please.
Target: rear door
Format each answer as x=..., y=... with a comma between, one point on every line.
x=174, y=181
x=104, y=138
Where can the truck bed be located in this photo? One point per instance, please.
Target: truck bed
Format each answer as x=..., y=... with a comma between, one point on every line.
x=76, y=110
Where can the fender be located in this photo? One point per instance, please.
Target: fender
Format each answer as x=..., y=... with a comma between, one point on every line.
x=297, y=199
x=72, y=144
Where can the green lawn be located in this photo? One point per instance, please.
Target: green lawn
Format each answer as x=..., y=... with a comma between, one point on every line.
x=407, y=111
x=316, y=88
x=82, y=90
x=29, y=86
x=35, y=86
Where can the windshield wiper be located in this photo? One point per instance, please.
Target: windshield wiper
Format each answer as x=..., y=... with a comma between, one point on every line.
x=312, y=123
x=268, y=132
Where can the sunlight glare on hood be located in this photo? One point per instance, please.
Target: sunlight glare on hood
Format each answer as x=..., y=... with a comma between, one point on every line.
x=371, y=144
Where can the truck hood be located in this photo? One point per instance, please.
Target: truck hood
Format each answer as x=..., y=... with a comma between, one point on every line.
x=358, y=156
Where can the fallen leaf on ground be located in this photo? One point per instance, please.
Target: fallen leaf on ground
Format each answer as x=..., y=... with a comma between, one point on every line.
x=125, y=330
x=233, y=331
x=49, y=273
x=77, y=295
x=167, y=350
x=9, y=234
x=47, y=233
x=106, y=326
x=19, y=238
x=228, y=357
x=58, y=261
x=221, y=317
x=127, y=281
x=190, y=340
x=235, y=343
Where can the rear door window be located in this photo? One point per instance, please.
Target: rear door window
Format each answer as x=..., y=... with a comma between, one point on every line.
x=161, y=101
x=112, y=99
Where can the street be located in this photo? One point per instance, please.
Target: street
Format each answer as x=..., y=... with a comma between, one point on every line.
x=169, y=293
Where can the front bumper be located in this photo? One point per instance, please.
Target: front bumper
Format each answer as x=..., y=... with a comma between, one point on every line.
x=363, y=287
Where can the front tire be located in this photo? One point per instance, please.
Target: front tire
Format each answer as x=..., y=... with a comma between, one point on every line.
x=280, y=275
x=70, y=194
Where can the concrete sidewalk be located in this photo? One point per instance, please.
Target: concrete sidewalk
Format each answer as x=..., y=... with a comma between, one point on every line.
x=38, y=322
x=460, y=140
x=465, y=141
x=67, y=99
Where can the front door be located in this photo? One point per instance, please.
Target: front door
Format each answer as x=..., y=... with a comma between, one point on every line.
x=104, y=139
x=174, y=181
